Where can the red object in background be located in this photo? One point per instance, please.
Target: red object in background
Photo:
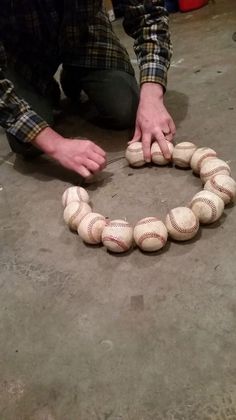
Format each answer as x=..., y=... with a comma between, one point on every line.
x=187, y=5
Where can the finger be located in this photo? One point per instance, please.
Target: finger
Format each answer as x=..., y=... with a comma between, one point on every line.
x=169, y=137
x=92, y=166
x=159, y=136
x=99, y=150
x=83, y=171
x=146, y=140
x=98, y=159
x=172, y=127
x=137, y=136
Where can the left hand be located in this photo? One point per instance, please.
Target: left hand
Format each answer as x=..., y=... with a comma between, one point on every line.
x=153, y=122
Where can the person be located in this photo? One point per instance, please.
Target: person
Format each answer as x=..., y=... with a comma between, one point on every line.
x=37, y=36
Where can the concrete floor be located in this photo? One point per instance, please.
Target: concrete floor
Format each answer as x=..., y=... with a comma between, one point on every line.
x=86, y=335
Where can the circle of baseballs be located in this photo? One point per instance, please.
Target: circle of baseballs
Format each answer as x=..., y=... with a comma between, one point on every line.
x=150, y=233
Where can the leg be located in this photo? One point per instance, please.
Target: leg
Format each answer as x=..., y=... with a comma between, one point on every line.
x=114, y=93
x=40, y=104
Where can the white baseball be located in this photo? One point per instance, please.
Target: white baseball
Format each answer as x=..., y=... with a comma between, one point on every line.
x=74, y=212
x=182, y=224
x=222, y=185
x=134, y=154
x=212, y=167
x=117, y=236
x=74, y=194
x=157, y=155
x=200, y=156
x=91, y=227
x=207, y=206
x=182, y=154
x=150, y=234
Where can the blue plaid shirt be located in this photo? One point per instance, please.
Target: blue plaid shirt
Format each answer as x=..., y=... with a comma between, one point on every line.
x=36, y=36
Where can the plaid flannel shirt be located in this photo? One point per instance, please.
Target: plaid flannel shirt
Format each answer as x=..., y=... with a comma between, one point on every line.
x=37, y=36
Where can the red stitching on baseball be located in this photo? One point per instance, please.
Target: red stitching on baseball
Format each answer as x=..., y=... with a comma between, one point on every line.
x=120, y=224
x=209, y=203
x=179, y=228
x=73, y=217
x=180, y=147
x=150, y=235
x=176, y=160
x=221, y=188
x=210, y=154
x=215, y=171
x=149, y=220
x=91, y=224
x=117, y=241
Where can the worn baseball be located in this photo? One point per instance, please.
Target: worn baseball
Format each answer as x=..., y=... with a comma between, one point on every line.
x=74, y=212
x=157, y=155
x=91, y=227
x=117, y=236
x=74, y=194
x=201, y=155
x=207, y=206
x=150, y=234
x=182, y=154
x=222, y=185
x=212, y=167
x=134, y=154
x=182, y=224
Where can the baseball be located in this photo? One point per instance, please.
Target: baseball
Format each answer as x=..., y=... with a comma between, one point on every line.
x=182, y=154
x=207, y=206
x=157, y=155
x=74, y=212
x=134, y=154
x=212, y=167
x=150, y=234
x=182, y=224
x=117, y=236
x=222, y=185
x=91, y=227
x=74, y=194
x=199, y=156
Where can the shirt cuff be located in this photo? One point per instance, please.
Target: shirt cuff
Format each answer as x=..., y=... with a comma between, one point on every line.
x=27, y=127
x=150, y=73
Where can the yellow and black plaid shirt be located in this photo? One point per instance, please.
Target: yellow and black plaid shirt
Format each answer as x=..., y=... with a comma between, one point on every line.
x=36, y=36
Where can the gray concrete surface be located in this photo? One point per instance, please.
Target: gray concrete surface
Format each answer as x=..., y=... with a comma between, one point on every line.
x=86, y=335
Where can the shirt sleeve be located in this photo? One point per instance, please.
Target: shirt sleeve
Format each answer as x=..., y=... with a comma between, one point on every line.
x=16, y=116
x=147, y=22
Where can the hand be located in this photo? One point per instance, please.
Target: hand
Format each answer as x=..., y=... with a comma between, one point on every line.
x=81, y=156
x=153, y=122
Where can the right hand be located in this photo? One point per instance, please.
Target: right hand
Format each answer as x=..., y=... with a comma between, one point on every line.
x=81, y=156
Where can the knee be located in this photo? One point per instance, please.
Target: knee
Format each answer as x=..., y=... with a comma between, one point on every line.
x=123, y=106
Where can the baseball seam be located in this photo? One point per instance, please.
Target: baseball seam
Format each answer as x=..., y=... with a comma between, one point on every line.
x=179, y=228
x=215, y=171
x=123, y=225
x=116, y=240
x=77, y=212
x=208, y=155
x=149, y=220
x=151, y=235
x=209, y=203
x=180, y=147
x=91, y=225
x=221, y=189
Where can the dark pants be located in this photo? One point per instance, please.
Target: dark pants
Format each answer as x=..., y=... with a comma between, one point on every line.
x=114, y=93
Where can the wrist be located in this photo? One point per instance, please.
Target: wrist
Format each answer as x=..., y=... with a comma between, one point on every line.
x=152, y=89
x=48, y=140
